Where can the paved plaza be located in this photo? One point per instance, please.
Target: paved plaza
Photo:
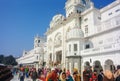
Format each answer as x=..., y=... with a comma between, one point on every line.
x=16, y=79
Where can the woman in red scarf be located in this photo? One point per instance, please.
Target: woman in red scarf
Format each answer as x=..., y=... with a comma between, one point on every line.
x=94, y=76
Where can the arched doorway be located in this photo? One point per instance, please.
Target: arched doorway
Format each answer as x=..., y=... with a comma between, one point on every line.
x=97, y=66
x=50, y=60
x=109, y=65
x=87, y=65
x=58, y=58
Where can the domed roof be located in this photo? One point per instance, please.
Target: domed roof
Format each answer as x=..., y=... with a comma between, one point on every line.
x=75, y=33
x=56, y=19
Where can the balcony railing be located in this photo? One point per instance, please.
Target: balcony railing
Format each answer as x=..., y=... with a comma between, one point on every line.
x=75, y=53
x=102, y=49
x=110, y=24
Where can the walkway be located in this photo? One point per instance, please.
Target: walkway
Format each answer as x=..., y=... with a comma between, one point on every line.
x=16, y=79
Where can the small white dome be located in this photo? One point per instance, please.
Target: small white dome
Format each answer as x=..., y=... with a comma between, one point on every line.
x=56, y=19
x=75, y=33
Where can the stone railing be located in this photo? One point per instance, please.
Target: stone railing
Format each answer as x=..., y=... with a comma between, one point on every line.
x=75, y=53
x=102, y=49
x=107, y=25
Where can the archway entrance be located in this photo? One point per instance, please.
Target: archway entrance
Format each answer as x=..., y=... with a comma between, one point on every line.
x=50, y=59
x=87, y=65
x=97, y=66
x=109, y=65
x=58, y=57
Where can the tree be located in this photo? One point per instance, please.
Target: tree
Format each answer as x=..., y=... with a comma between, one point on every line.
x=1, y=59
x=8, y=60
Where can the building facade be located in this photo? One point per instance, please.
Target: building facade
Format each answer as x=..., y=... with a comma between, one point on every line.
x=35, y=57
x=86, y=37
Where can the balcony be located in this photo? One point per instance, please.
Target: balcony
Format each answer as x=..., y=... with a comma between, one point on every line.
x=102, y=49
x=75, y=53
x=107, y=25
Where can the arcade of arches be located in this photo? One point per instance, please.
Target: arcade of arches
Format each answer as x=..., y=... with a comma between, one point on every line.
x=59, y=57
x=109, y=65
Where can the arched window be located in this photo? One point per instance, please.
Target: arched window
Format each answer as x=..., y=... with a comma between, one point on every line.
x=97, y=66
x=87, y=65
x=58, y=40
x=109, y=65
x=88, y=44
x=50, y=44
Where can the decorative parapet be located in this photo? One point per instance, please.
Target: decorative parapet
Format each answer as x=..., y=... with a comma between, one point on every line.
x=109, y=24
x=106, y=26
x=117, y=2
x=102, y=49
x=62, y=23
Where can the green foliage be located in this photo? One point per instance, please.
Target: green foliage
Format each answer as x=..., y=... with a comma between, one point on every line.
x=1, y=58
x=8, y=60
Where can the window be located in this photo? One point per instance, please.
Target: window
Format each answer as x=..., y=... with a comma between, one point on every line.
x=25, y=52
x=37, y=57
x=87, y=46
x=117, y=10
x=75, y=47
x=110, y=13
x=38, y=41
x=69, y=48
x=85, y=19
x=86, y=29
x=80, y=20
x=90, y=60
x=78, y=11
x=50, y=57
x=99, y=18
x=74, y=53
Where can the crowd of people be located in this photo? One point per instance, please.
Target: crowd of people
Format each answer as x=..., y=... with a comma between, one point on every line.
x=106, y=75
x=55, y=74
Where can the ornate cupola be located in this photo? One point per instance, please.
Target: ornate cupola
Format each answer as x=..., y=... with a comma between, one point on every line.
x=37, y=41
x=76, y=6
x=75, y=33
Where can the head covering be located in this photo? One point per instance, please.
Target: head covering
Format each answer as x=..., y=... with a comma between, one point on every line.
x=118, y=67
x=108, y=74
x=101, y=70
x=61, y=78
x=74, y=73
x=75, y=70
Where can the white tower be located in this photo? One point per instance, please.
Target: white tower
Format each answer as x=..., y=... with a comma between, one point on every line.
x=37, y=41
x=73, y=6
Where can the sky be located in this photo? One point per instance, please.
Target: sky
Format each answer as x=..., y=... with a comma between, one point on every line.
x=22, y=20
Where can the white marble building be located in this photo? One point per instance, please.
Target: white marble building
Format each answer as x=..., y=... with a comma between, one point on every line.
x=34, y=57
x=86, y=36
